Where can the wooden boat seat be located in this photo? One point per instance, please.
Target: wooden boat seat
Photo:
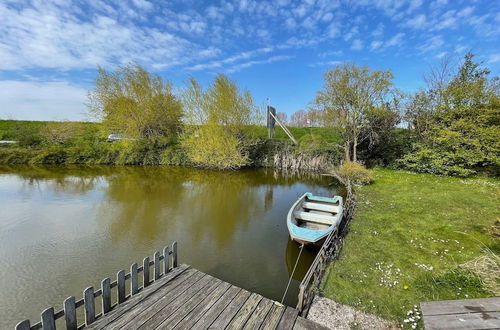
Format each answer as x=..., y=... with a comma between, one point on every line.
x=314, y=217
x=321, y=207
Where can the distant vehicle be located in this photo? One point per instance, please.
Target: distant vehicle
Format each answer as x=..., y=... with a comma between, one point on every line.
x=119, y=137
x=7, y=142
x=115, y=137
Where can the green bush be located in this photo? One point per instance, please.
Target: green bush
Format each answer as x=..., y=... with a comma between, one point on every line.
x=213, y=146
x=354, y=173
x=425, y=160
x=174, y=155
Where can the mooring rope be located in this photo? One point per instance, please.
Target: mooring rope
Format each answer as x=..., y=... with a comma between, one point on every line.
x=293, y=271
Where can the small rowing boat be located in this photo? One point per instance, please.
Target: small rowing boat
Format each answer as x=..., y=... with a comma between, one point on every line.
x=312, y=218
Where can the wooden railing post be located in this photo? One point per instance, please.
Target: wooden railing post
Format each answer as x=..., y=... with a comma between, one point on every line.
x=145, y=272
x=166, y=259
x=70, y=313
x=23, y=325
x=174, y=254
x=106, y=295
x=157, y=265
x=134, y=288
x=120, y=284
x=48, y=321
x=89, y=304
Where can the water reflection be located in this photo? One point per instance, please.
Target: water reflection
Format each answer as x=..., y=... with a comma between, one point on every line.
x=78, y=224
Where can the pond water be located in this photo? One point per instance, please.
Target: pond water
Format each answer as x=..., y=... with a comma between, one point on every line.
x=65, y=228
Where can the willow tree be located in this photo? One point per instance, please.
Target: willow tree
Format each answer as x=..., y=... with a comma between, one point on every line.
x=348, y=99
x=136, y=103
x=219, y=119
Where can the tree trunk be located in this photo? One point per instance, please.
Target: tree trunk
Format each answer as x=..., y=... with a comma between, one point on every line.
x=354, y=149
x=347, y=147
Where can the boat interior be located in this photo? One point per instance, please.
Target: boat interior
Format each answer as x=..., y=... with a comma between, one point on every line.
x=316, y=215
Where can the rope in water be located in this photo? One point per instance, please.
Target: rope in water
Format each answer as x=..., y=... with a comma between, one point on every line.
x=293, y=271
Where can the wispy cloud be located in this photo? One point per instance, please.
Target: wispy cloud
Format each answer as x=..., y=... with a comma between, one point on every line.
x=230, y=60
x=248, y=64
x=494, y=58
x=54, y=35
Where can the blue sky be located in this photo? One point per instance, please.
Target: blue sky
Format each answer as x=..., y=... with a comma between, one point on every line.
x=50, y=49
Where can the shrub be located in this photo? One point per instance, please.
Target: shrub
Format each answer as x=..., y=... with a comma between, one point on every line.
x=353, y=172
x=213, y=146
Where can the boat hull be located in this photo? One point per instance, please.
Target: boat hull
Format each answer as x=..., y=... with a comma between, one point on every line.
x=309, y=236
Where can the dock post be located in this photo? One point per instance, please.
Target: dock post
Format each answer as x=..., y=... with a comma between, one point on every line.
x=174, y=254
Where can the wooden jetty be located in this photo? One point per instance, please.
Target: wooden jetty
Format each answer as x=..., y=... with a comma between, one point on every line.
x=173, y=297
x=462, y=314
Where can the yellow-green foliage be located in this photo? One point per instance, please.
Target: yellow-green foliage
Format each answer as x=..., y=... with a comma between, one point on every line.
x=60, y=132
x=354, y=172
x=214, y=147
x=136, y=103
x=220, y=118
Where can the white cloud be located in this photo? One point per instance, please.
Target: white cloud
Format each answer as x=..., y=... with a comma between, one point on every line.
x=248, y=64
x=32, y=100
x=357, y=44
x=395, y=40
x=417, y=22
x=232, y=59
x=376, y=44
x=143, y=4
x=414, y=4
x=441, y=55
x=327, y=17
x=50, y=35
x=325, y=63
x=432, y=43
x=494, y=58
x=379, y=30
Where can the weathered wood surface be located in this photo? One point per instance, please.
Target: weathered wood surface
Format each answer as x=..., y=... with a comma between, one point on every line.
x=462, y=314
x=194, y=300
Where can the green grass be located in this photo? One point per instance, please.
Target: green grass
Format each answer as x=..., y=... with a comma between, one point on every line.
x=10, y=129
x=328, y=134
x=406, y=222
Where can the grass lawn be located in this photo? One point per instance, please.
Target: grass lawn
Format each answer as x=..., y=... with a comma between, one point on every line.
x=408, y=239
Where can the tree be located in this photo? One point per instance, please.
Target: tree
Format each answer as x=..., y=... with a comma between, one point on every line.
x=60, y=132
x=299, y=119
x=349, y=94
x=219, y=119
x=136, y=103
x=465, y=132
x=283, y=117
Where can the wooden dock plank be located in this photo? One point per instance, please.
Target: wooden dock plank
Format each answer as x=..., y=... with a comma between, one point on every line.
x=209, y=317
x=129, y=304
x=288, y=319
x=144, y=313
x=227, y=315
x=172, y=307
x=255, y=320
x=186, y=307
x=205, y=305
x=273, y=317
x=487, y=320
x=244, y=313
x=460, y=306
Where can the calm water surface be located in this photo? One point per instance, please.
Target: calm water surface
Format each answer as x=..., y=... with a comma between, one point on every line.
x=65, y=228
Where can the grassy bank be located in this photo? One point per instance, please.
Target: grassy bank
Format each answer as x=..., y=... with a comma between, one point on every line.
x=87, y=144
x=409, y=238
